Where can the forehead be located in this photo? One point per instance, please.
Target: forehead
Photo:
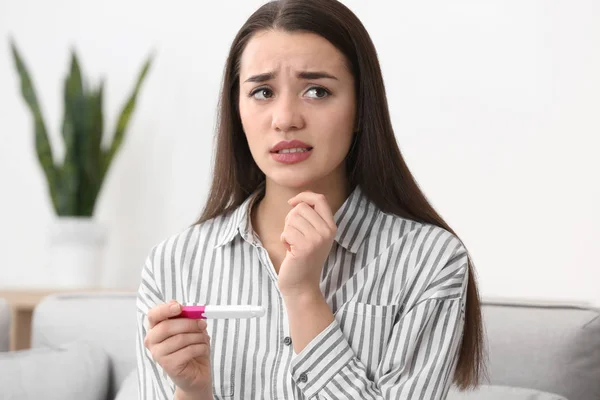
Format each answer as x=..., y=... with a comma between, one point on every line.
x=275, y=49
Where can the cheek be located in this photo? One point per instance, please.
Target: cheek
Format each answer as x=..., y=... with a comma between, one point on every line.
x=337, y=130
x=249, y=123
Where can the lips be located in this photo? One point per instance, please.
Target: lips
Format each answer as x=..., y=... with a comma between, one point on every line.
x=294, y=144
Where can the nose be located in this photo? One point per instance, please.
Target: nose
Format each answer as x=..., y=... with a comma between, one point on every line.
x=287, y=114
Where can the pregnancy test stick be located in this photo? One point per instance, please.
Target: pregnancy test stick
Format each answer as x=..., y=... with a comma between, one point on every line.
x=221, y=312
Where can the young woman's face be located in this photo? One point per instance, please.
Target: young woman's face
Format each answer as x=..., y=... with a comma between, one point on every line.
x=296, y=86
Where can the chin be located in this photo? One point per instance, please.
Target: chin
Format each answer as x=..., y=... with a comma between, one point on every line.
x=291, y=180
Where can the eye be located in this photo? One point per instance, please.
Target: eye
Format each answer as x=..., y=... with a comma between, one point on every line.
x=319, y=90
x=263, y=91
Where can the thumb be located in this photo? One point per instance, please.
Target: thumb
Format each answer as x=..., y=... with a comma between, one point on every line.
x=285, y=243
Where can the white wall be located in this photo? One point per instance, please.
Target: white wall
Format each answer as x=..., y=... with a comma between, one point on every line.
x=495, y=104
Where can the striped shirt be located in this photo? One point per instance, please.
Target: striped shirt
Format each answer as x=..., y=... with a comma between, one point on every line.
x=397, y=289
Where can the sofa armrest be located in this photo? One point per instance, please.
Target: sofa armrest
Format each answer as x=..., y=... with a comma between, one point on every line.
x=5, y=317
x=106, y=319
x=550, y=346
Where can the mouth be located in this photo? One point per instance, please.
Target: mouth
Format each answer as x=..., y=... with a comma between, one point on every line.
x=294, y=150
x=292, y=156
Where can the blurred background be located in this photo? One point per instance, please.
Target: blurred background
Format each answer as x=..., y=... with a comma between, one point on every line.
x=495, y=105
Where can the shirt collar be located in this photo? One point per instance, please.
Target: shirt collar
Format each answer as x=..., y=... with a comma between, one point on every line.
x=354, y=220
x=238, y=221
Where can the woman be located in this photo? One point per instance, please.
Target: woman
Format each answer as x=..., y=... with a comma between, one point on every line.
x=314, y=215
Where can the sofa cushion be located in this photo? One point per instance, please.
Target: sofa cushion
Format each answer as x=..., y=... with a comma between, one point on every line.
x=129, y=388
x=76, y=370
x=5, y=315
x=493, y=392
x=546, y=346
x=107, y=319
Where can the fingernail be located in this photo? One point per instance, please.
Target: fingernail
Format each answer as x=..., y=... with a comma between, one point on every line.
x=201, y=324
x=174, y=309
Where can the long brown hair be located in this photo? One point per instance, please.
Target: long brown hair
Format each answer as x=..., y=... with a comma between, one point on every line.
x=374, y=161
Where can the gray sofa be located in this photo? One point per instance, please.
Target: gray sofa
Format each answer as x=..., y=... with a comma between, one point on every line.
x=5, y=315
x=549, y=348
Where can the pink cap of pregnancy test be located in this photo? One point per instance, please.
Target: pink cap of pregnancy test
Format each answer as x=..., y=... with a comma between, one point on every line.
x=194, y=312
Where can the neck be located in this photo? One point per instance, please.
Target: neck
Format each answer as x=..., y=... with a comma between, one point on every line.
x=268, y=216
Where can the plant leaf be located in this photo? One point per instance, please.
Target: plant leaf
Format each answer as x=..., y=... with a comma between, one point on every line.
x=74, y=134
x=92, y=151
x=42, y=144
x=124, y=118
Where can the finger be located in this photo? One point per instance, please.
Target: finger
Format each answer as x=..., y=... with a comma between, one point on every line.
x=318, y=202
x=177, y=342
x=316, y=222
x=284, y=241
x=299, y=222
x=162, y=312
x=172, y=327
x=183, y=356
x=293, y=237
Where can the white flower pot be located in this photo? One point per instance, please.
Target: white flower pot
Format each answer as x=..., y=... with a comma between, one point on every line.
x=76, y=252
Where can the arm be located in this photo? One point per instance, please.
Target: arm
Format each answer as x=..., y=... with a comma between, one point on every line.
x=153, y=383
x=309, y=307
x=419, y=363
x=179, y=395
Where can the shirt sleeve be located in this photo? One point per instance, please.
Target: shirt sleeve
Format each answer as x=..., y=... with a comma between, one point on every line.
x=153, y=382
x=420, y=358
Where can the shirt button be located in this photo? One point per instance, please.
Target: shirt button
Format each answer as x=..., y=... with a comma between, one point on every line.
x=287, y=341
x=303, y=377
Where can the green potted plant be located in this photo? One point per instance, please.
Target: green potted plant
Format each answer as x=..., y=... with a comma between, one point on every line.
x=77, y=240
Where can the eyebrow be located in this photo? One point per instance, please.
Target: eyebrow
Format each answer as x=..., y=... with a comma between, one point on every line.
x=301, y=75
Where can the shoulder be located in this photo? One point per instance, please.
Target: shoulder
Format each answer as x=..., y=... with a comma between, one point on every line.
x=180, y=245
x=429, y=258
x=420, y=238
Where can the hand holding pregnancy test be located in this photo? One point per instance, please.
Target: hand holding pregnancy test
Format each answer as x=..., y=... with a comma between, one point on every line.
x=220, y=312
